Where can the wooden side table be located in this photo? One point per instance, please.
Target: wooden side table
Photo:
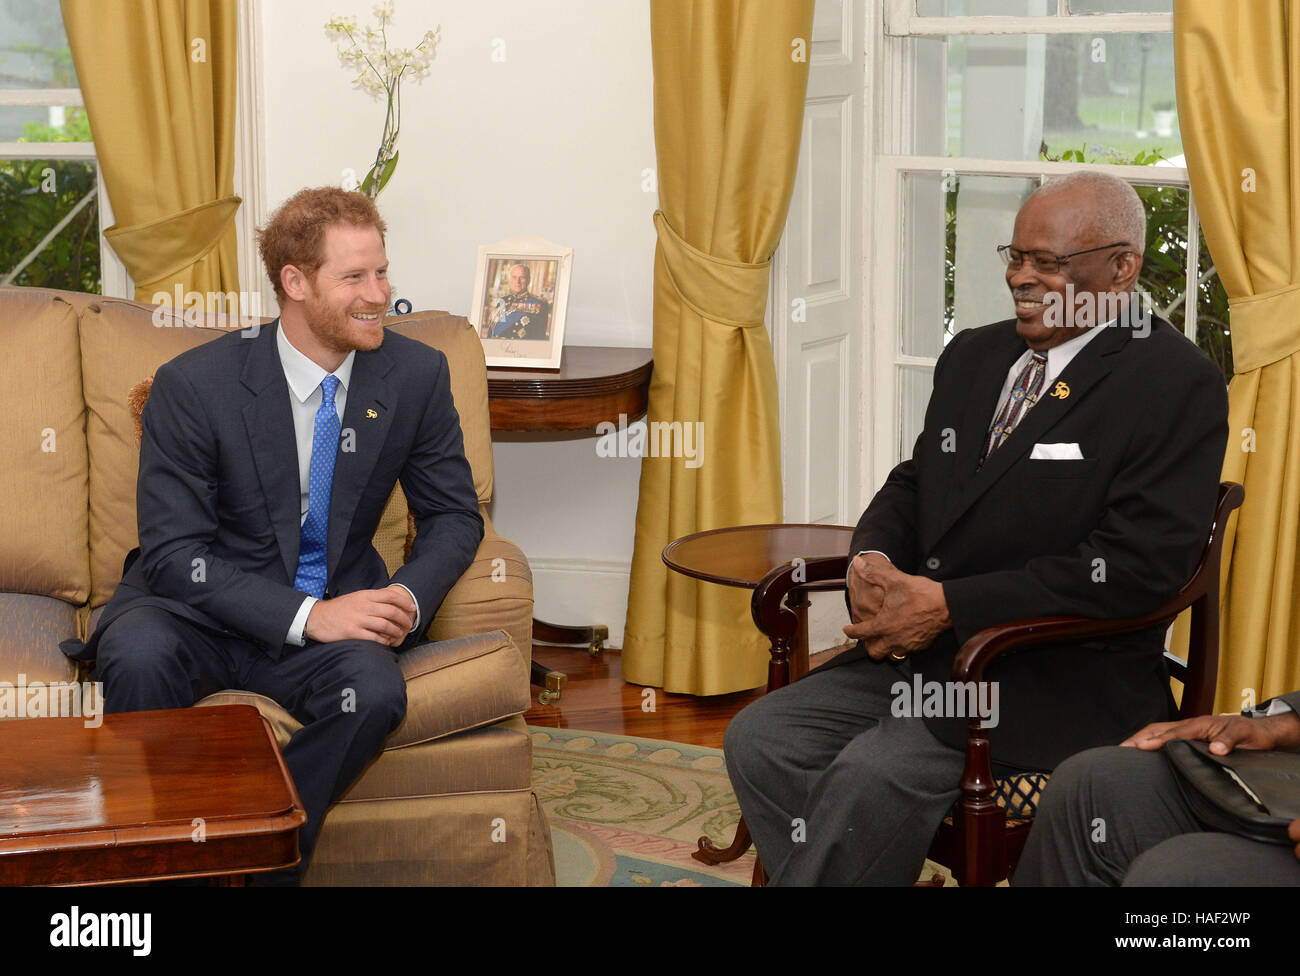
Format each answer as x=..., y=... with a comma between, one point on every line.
x=594, y=384
x=741, y=556
x=176, y=793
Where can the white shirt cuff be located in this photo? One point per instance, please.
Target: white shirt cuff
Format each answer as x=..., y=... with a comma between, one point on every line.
x=417, y=607
x=295, y=635
x=862, y=552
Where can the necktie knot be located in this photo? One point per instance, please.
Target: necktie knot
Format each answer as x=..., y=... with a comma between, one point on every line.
x=329, y=386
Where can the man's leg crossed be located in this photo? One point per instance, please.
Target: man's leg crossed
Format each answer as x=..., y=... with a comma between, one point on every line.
x=349, y=696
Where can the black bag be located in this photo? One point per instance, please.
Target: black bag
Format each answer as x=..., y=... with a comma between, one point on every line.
x=1250, y=793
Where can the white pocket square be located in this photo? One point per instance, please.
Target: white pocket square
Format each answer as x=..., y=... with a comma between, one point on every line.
x=1056, y=452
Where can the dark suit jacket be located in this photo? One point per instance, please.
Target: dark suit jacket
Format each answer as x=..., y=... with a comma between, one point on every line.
x=218, y=497
x=1115, y=534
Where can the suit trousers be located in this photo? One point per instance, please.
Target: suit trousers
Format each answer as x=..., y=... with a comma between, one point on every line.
x=1116, y=815
x=834, y=788
x=349, y=696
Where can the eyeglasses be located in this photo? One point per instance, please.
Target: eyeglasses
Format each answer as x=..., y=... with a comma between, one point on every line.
x=1044, y=261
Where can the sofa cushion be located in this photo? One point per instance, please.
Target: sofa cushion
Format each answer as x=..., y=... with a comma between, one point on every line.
x=120, y=346
x=451, y=687
x=43, y=493
x=29, y=639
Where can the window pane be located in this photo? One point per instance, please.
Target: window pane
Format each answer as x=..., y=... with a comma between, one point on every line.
x=1121, y=6
x=34, y=53
x=963, y=219
x=983, y=8
x=1213, y=320
x=35, y=195
x=1107, y=97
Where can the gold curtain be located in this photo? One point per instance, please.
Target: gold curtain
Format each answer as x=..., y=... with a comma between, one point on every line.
x=158, y=78
x=730, y=78
x=1238, y=75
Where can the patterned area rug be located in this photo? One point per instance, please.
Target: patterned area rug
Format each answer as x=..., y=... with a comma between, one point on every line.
x=626, y=812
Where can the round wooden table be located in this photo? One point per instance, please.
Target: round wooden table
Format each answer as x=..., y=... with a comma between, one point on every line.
x=742, y=555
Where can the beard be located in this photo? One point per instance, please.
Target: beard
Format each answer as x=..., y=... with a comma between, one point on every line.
x=337, y=331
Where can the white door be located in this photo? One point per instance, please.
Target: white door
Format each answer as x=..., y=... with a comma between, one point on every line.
x=817, y=300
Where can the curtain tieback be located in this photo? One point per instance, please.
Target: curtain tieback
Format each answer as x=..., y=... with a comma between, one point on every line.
x=1265, y=328
x=729, y=292
x=158, y=249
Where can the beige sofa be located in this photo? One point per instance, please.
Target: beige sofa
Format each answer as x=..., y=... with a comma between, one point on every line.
x=450, y=800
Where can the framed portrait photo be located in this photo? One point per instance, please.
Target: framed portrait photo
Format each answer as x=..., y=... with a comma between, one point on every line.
x=521, y=291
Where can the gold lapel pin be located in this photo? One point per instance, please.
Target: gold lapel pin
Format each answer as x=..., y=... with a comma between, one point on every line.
x=1060, y=391
x=371, y=414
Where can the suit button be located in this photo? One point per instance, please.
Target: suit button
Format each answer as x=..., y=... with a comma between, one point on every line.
x=932, y=563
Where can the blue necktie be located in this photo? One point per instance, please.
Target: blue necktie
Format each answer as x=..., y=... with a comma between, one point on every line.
x=312, y=566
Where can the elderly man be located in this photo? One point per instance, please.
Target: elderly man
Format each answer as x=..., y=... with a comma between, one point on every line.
x=1068, y=465
x=1118, y=816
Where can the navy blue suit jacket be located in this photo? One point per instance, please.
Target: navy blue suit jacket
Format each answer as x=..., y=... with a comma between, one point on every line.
x=219, y=499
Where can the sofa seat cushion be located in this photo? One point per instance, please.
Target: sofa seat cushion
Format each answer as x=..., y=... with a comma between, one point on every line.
x=451, y=687
x=29, y=639
x=43, y=482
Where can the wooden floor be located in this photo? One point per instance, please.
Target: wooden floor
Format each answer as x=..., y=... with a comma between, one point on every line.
x=597, y=699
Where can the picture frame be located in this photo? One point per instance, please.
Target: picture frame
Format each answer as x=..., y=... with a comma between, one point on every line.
x=521, y=295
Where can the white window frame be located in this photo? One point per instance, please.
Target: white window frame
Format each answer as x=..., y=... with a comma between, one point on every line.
x=902, y=20
x=890, y=89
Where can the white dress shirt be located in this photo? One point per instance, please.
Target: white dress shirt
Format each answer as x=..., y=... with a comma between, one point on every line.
x=304, y=378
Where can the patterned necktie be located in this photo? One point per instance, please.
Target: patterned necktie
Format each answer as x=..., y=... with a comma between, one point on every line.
x=312, y=568
x=1029, y=384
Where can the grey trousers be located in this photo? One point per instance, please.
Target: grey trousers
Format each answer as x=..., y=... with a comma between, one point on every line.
x=1114, y=816
x=834, y=789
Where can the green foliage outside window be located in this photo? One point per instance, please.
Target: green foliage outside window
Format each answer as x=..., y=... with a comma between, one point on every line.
x=35, y=194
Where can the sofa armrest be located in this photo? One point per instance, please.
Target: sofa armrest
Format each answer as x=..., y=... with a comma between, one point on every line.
x=495, y=593
x=462, y=684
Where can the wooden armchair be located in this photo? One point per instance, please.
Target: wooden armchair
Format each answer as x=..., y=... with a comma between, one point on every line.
x=979, y=842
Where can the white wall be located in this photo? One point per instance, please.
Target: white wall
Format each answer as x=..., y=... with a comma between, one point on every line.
x=553, y=140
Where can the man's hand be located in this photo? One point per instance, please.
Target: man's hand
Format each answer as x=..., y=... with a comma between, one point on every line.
x=1294, y=833
x=910, y=614
x=865, y=597
x=1224, y=733
x=385, y=616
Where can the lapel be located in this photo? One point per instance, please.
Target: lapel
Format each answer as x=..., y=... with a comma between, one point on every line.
x=366, y=421
x=269, y=423
x=1087, y=368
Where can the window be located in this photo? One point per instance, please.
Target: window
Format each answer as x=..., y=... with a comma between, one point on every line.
x=991, y=97
x=52, y=200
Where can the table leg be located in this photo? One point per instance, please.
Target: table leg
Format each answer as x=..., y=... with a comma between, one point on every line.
x=554, y=681
x=786, y=665
x=709, y=854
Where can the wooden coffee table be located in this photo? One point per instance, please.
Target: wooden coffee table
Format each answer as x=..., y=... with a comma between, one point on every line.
x=179, y=793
